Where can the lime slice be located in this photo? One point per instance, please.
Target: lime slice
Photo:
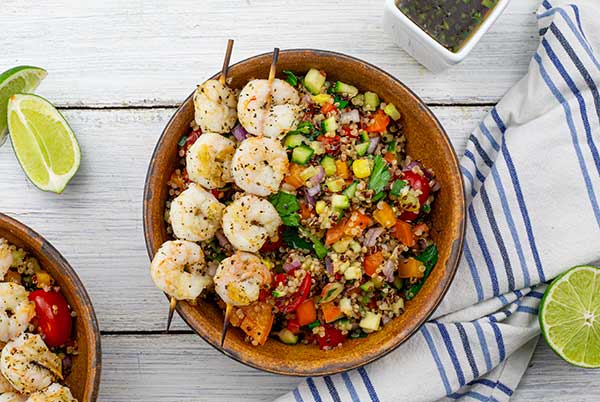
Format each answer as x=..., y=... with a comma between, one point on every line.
x=14, y=81
x=43, y=141
x=570, y=316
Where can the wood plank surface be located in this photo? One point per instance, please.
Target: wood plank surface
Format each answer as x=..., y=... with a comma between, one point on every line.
x=152, y=52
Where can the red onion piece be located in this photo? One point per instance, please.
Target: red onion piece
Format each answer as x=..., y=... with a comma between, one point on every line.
x=291, y=265
x=411, y=165
x=329, y=265
x=312, y=191
x=350, y=117
x=317, y=178
x=388, y=270
x=310, y=199
x=308, y=99
x=435, y=186
x=371, y=236
x=221, y=238
x=239, y=132
x=373, y=142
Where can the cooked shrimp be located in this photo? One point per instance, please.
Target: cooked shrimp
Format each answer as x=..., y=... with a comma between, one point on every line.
x=16, y=310
x=282, y=115
x=5, y=386
x=249, y=221
x=195, y=214
x=11, y=397
x=215, y=107
x=6, y=257
x=179, y=269
x=240, y=278
x=54, y=393
x=259, y=165
x=28, y=364
x=208, y=161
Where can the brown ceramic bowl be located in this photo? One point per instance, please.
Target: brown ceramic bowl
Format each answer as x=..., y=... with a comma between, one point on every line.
x=84, y=379
x=426, y=140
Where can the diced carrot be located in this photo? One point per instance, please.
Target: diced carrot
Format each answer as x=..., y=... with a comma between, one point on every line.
x=331, y=312
x=328, y=107
x=335, y=232
x=306, y=312
x=305, y=210
x=256, y=322
x=380, y=122
x=341, y=168
x=385, y=215
x=389, y=157
x=372, y=262
x=411, y=268
x=293, y=177
x=356, y=221
x=404, y=233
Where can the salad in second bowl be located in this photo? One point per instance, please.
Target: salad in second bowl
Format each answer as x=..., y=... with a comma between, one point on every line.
x=296, y=206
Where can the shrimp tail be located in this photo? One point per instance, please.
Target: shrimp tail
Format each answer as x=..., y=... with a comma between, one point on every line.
x=172, y=305
x=228, y=312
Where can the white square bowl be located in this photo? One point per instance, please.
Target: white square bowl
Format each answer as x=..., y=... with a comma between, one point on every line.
x=423, y=47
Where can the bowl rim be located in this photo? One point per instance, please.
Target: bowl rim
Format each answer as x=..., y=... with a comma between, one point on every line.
x=456, y=247
x=61, y=262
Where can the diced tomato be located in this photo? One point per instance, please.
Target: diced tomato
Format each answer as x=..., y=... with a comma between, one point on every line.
x=279, y=278
x=306, y=312
x=332, y=338
x=416, y=182
x=294, y=326
x=54, y=316
x=380, y=122
x=271, y=245
x=403, y=232
x=263, y=295
x=331, y=144
x=328, y=107
x=372, y=262
x=348, y=132
x=191, y=139
x=291, y=303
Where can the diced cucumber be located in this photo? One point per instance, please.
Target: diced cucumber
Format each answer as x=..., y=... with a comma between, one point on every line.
x=308, y=173
x=378, y=281
x=355, y=246
x=370, y=321
x=328, y=164
x=341, y=246
x=362, y=148
x=318, y=147
x=340, y=201
x=345, y=89
x=358, y=100
x=346, y=306
x=350, y=190
x=320, y=207
x=336, y=185
x=397, y=306
x=286, y=336
x=367, y=286
x=390, y=110
x=330, y=125
x=294, y=140
x=398, y=283
x=353, y=272
x=364, y=136
x=302, y=154
x=314, y=80
x=371, y=101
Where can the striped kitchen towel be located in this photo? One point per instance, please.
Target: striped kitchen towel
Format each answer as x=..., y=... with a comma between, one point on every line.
x=532, y=178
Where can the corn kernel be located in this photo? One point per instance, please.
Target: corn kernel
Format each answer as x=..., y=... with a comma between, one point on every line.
x=361, y=168
x=320, y=207
x=322, y=99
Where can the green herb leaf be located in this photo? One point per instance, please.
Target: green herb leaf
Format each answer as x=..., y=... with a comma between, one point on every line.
x=182, y=141
x=342, y=103
x=291, y=78
x=392, y=146
x=292, y=239
x=426, y=208
x=314, y=324
x=317, y=246
x=286, y=205
x=380, y=175
x=379, y=196
x=305, y=128
x=397, y=186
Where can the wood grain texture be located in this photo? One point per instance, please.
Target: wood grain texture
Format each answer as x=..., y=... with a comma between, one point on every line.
x=152, y=52
x=184, y=368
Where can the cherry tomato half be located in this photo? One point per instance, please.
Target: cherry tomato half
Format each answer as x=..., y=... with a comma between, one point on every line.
x=417, y=182
x=332, y=337
x=54, y=316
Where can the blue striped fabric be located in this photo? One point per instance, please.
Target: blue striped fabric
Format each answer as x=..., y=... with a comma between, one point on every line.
x=532, y=178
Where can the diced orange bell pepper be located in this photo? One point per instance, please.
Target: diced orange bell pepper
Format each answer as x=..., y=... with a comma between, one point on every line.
x=403, y=232
x=380, y=122
x=306, y=312
x=356, y=221
x=331, y=312
x=293, y=177
x=372, y=262
x=385, y=215
x=410, y=268
x=328, y=107
x=256, y=322
x=389, y=157
x=342, y=170
x=335, y=232
x=305, y=210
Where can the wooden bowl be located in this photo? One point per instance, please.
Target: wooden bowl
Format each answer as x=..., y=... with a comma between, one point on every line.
x=426, y=140
x=84, y=379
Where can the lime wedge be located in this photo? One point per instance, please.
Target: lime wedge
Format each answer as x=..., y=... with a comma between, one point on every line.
x=14, y=81
x=43, y=141
x=570, y=316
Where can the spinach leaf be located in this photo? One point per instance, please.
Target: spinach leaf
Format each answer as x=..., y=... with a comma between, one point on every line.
x=380, y=175
x=290, y=78
x=286, y=205
x=429, y=257
x=317, y=246
x=292, y=239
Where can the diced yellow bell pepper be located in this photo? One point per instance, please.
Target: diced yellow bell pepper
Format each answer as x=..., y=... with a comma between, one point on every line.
x=322, y=99
x=361, y=168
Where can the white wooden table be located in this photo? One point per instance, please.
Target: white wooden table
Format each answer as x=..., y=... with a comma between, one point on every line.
x=118, y=69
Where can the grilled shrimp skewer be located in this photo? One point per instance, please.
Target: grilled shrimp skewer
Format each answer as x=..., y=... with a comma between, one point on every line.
x=239, y=280
x=214, y=111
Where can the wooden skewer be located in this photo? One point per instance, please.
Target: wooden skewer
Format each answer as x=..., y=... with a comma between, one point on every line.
x=172, y=305
x=223, y=77
x=272, y=73
x=228, y=312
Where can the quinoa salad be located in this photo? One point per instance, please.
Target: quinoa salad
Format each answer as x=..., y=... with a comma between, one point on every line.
x=296, y=206
x=36, y=331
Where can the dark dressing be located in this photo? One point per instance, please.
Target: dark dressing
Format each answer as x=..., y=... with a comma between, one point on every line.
x=450, y=22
